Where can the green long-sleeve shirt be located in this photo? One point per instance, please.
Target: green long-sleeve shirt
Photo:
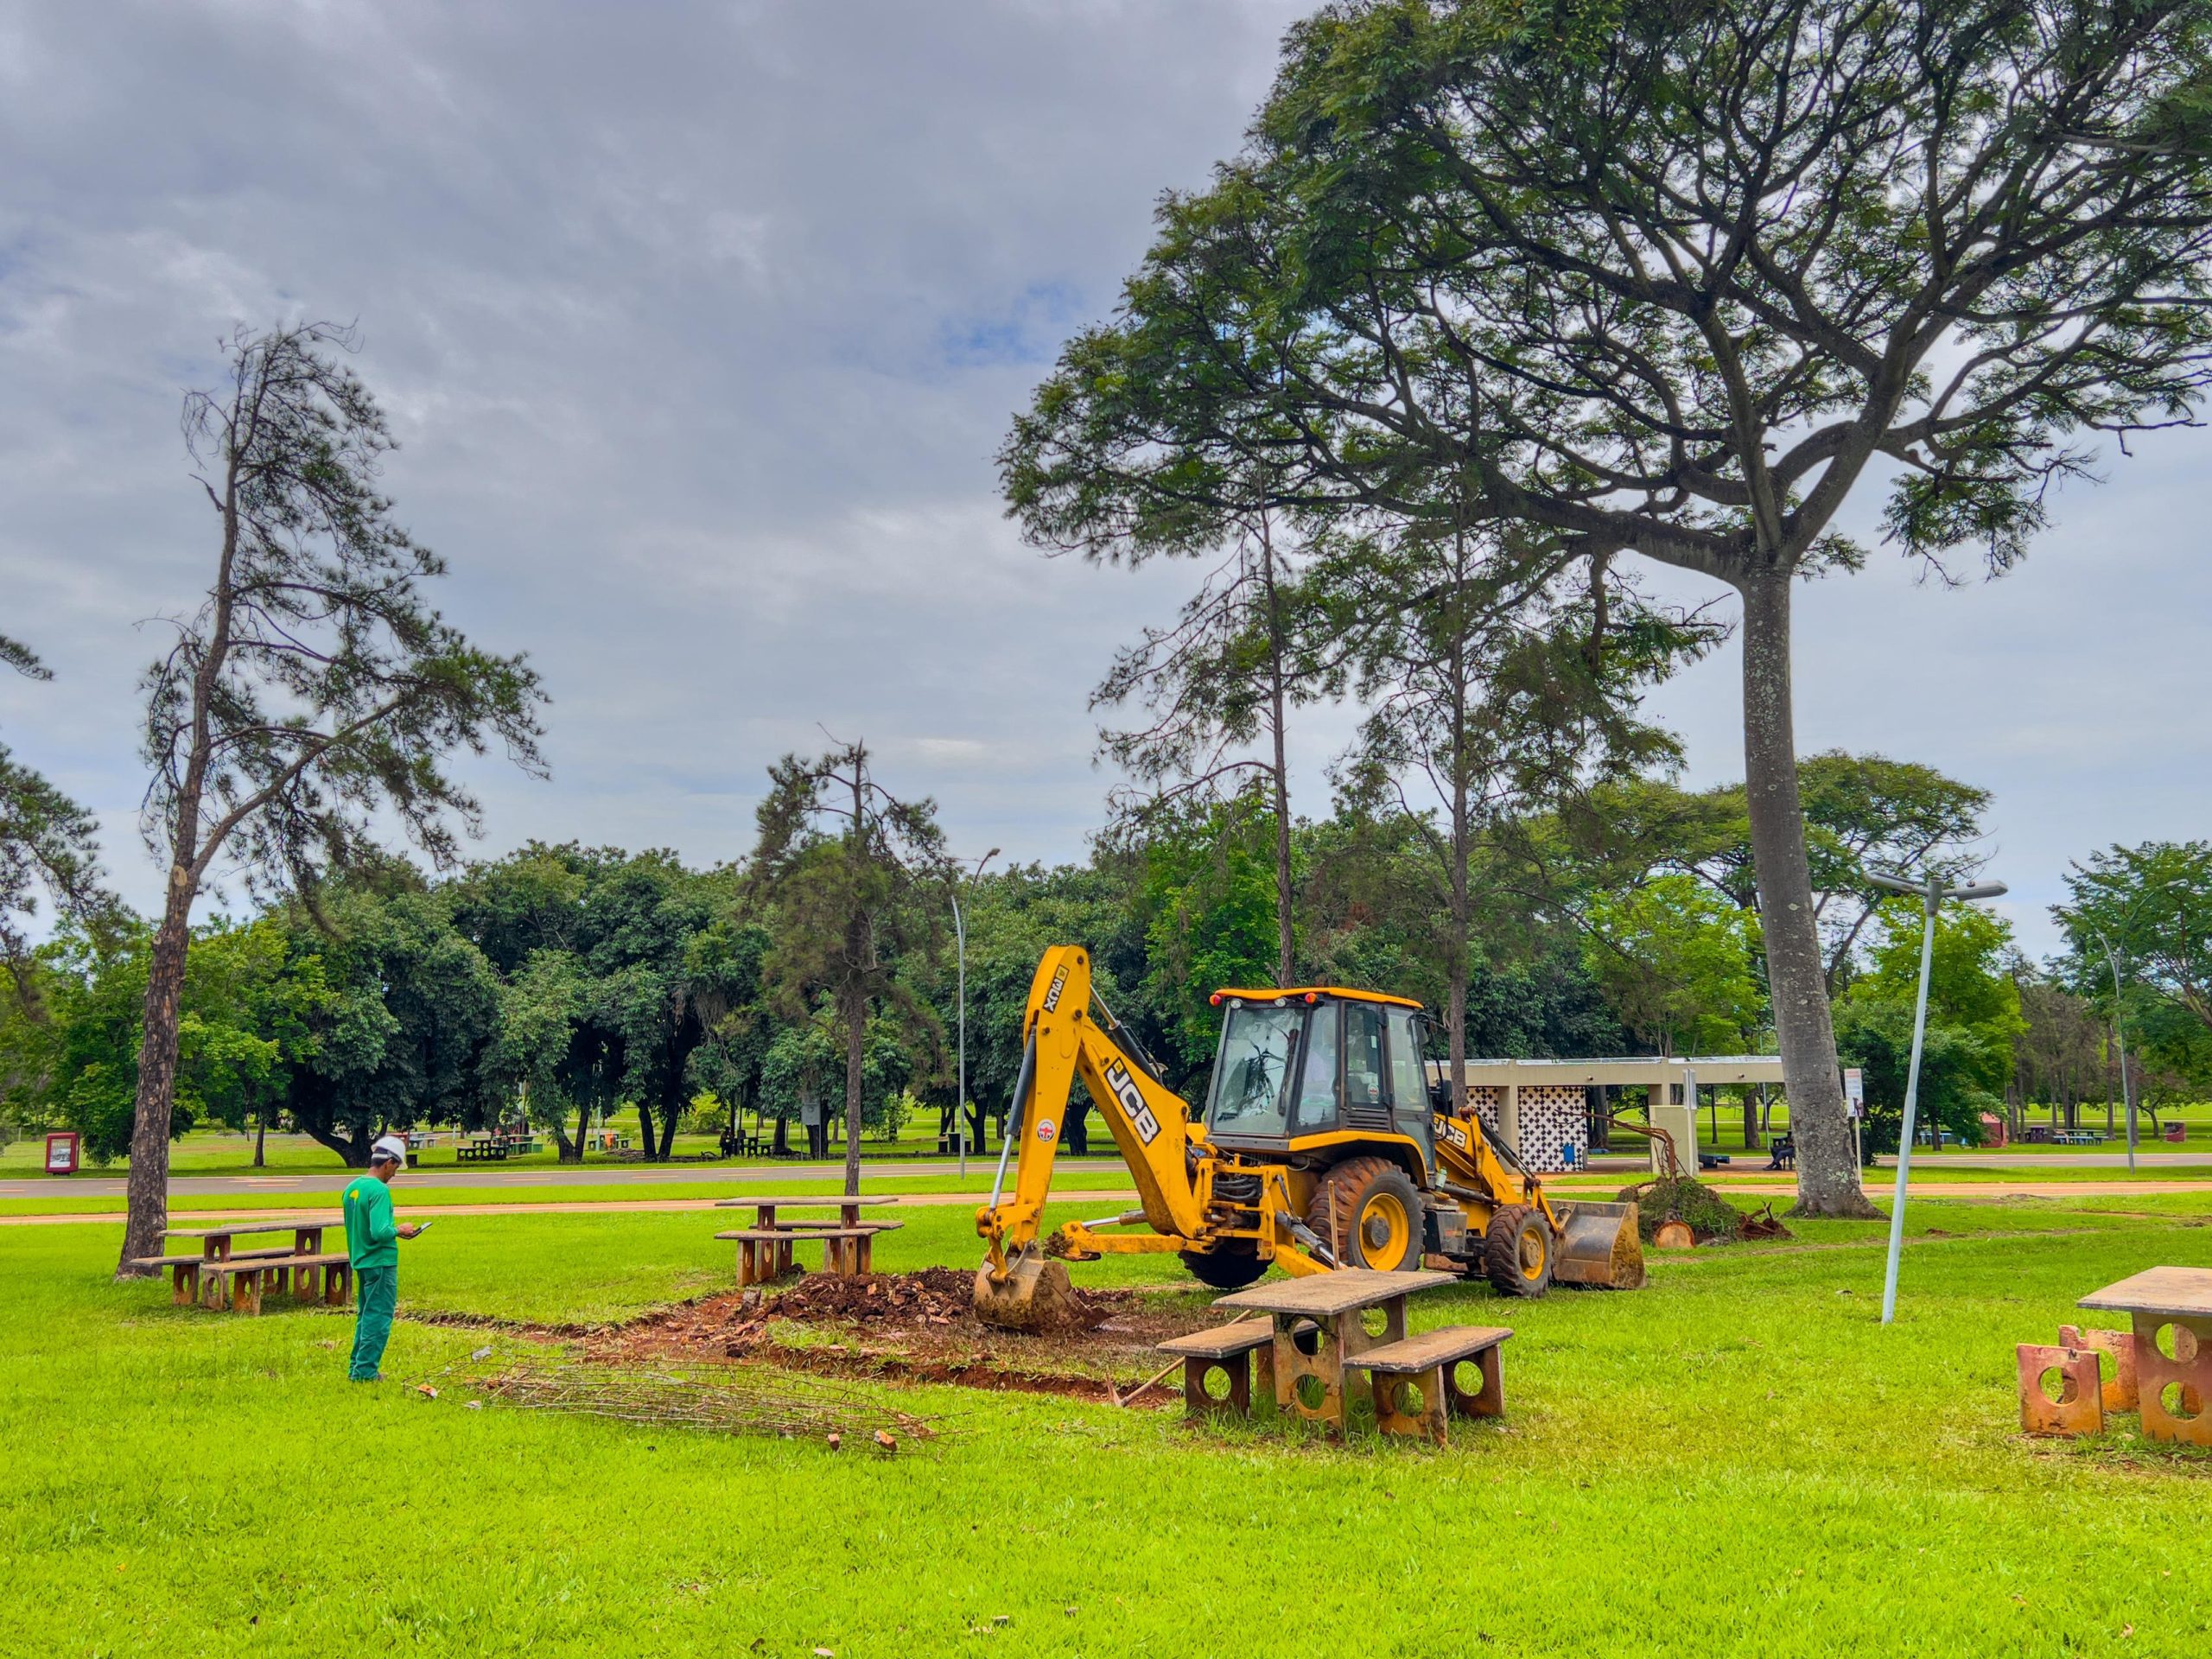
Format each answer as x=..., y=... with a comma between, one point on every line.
x=371, y=1229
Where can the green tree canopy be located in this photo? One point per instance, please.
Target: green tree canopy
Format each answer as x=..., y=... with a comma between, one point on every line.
x=1674, y=959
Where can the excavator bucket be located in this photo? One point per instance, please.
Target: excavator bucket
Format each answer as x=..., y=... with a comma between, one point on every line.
x=1601, y=1246
x=1032, y=1293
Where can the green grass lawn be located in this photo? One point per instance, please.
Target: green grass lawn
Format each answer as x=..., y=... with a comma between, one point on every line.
x=726, y=1182
x=1737, y=1460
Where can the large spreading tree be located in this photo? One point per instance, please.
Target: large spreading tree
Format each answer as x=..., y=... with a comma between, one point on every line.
x=312, y=693
x=1682, y=281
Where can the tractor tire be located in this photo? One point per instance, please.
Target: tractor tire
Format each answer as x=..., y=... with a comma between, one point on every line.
x=1369, y=1208
x=1517, y=1251
x=1231, y=1267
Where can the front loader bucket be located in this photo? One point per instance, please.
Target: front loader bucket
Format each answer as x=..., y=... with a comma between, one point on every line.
x=1601, y=1246
x=1032, y=1293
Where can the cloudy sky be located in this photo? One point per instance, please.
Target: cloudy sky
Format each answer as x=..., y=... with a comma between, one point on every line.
x=699, y=325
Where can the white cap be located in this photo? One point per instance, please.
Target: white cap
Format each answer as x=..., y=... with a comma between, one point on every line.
x=389, y=1146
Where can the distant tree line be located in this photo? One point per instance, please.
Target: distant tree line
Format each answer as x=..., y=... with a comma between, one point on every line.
x=564, y=983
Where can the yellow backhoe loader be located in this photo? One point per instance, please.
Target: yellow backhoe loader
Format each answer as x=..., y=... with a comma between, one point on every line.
x=1325, y=1143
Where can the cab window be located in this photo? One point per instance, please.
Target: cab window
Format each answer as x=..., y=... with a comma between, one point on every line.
x=1317, y=1084
x=1259, y=1053
x=1408, y=1079
x=1362, y=1058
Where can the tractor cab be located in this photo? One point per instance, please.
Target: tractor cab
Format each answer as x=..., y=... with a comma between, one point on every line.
x=1298, y=1064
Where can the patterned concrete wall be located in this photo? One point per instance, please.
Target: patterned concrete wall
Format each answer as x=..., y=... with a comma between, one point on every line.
x=1551, y=1132
x=1555, y=1127
x=1485, y=1101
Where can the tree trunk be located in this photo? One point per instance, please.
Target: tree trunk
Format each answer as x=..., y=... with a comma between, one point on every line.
x=148, y=1186
x=1455, y=1006
x=670, y=1116
x=261, y=1140
x=855, y=1015
x=352, y=1150
x=1820, y=1122
x=1285, y=967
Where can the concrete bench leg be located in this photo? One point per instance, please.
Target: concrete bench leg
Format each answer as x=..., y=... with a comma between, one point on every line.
x=1489, y=1400
x=1413, y=1405
x=246, y=1292
x=338, y=1284
x=2121, y=1393
x=184, y=1283
x=1199, y=1402
x=2080, y=1408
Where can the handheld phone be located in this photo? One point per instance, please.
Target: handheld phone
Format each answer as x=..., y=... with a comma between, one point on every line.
x=423, y=1227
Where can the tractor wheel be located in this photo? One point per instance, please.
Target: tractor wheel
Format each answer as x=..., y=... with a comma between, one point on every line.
x=1517, y=1251
x=1369, y=1211
x=1230, y=1267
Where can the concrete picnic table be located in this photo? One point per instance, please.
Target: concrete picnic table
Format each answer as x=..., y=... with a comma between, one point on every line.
x=1320, y=1322
x=2172, y=1388
x=223, y=1277
x=215, y=1240
x=764, y=1249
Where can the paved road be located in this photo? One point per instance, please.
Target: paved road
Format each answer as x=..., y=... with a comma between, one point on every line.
x=738, y=1176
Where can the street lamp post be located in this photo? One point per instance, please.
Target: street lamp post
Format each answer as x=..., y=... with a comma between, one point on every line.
x=960, y=1084
x=1932, y=893
x=2120, y=1047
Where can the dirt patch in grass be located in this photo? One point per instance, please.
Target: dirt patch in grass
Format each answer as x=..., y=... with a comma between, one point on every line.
x=917, y=1327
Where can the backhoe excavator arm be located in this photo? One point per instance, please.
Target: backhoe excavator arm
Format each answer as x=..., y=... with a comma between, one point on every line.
x=1064, y=1041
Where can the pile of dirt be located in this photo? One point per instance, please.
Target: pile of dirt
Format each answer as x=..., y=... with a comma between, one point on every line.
x=916, y=1325
x=941, y=1296
x=1710, y=1217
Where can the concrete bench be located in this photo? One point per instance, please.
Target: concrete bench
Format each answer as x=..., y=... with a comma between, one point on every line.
x=1416, y=1388
x=237, y=1283
x=184, y=1274
x=1237, y=1351
x=764, y=1253
x=184, y=1270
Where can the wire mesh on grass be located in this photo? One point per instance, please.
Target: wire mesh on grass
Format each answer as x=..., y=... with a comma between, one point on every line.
x=726, y=1400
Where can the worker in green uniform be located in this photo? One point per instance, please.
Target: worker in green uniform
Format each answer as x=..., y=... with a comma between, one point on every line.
x=372, y=1235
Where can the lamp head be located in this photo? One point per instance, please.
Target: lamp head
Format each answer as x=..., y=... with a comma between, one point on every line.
x=1979, y=890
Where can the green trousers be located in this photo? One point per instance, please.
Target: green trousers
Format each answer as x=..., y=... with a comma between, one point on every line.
x=377, y=1289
